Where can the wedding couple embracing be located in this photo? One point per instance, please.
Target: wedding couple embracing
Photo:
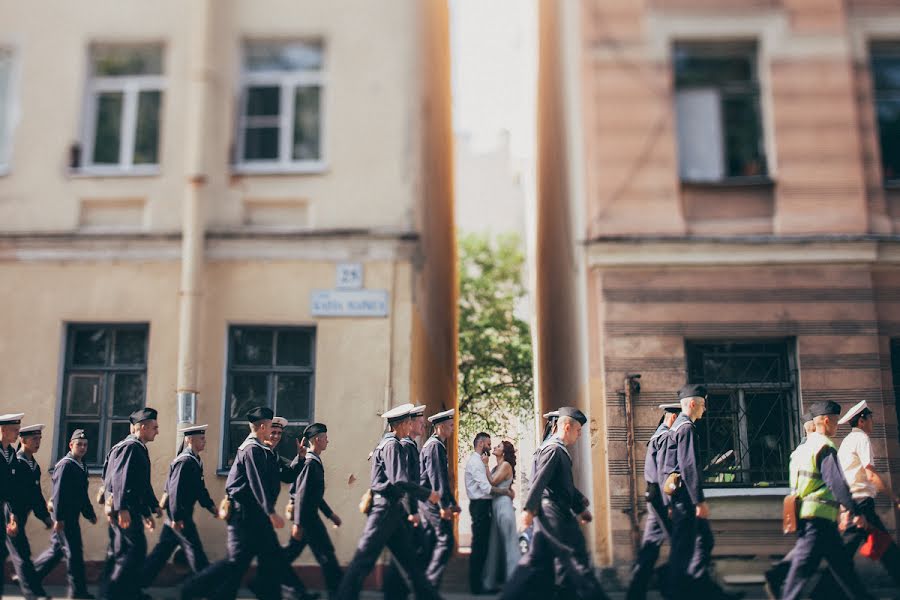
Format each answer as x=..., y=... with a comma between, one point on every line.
x=495, y=539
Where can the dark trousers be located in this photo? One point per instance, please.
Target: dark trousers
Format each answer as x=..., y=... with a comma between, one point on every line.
x=818, y=539
x=481, y=512
x=65, y=544
x=385, y=527
x=315, y=535
x=20, y=554
x=248, y=537
x=129, y=554
x=688, y=572
x=854, y=537
x=439, y=542
x=395, y=586
x=3, y=551
x=556, y=536
x=648, y=554
x=169, y=540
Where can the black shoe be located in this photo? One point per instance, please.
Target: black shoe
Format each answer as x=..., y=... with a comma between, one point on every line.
x=772, y=586
x=83, y=596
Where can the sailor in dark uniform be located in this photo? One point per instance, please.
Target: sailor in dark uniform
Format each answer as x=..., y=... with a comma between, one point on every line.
x=387, y=519
x=657, y=526
x=9, y=432
x=252, y=488
x=308, y=500
x=27, y=497
x=394, y=584
x=184, y=488
x=438, y=518
x=132, y=504
x=69, y=501
x=555, y=507
x=820, y=485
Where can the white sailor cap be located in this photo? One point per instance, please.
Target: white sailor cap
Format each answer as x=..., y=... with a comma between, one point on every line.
x=11, y=418
x=31, y=430
x=279, y=422
x=553, y=414
x=417, y=411
x=858, y=409
x=398, y=413
x=442, y=416
x=672, y=407
x=193, y=430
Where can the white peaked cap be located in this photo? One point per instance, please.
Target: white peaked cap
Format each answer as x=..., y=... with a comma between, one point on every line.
x=553, y=414
x=417, y=411
x=670, y=406
x=280, y=421
x=37, y=428
x=442, y=416
x=398, y=412
x=193, y=429
x=11, y=418
x=855, y=410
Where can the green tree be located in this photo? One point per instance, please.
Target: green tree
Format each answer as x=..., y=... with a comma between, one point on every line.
x=496, y=383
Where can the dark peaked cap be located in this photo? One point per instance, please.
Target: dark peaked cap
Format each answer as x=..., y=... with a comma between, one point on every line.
x=260, y=413
x=574, y=413
x=144, y=414
x=692, y=390
x=821, y=409
x=78, y=434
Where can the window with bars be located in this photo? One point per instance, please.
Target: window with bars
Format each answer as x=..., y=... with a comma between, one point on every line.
x=751, y=424
x=280, y=118
x=124, y=101
x=274, y=367
x=885, y=60
x=717, y=105
x=105, y=381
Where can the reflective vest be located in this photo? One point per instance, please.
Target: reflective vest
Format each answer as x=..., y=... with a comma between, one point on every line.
x=817, y=501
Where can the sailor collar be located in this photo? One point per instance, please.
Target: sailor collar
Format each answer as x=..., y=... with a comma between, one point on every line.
x=190, y=453
x=435, y=438
x=252, y=439
x=313, y=456
x=558, y=442
x=8, y=454
x=659, y=431
x=138, y=440
x=31, y=462
x=69, y=456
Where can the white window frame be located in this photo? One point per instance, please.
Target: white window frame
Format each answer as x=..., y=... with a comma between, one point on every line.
x=130, y=86
x=287, y=82
x=10, y=115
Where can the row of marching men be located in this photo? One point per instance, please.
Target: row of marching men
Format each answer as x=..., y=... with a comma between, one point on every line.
x=409, y=508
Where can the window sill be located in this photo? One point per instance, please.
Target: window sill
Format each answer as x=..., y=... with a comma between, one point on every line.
x=746, y=492
x=893, y=184
x=98, y=173
x=311, y=168
x=732, y=182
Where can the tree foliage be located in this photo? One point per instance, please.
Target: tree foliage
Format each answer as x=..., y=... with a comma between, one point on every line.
x=495, y=382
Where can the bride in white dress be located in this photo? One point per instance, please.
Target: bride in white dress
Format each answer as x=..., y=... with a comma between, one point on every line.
x=503, y=546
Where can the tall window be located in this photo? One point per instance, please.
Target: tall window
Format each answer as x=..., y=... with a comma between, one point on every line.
x=124, y=100
x=105, y=381
x=751, y=424
x=886, y=77
x=280, y=122
x=274, y=367
x=6, y=101
x=720, y=135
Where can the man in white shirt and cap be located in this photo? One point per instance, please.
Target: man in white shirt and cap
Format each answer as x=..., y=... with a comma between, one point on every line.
x=480, y=491
x=858, y=463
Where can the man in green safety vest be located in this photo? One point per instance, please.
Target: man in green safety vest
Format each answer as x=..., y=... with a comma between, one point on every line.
x=819, y=483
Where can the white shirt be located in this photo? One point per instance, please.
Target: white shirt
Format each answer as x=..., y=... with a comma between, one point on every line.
x=477, y=485
x=855, y=455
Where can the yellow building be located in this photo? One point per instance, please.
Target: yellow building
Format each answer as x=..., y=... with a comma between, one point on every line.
x=229, y=203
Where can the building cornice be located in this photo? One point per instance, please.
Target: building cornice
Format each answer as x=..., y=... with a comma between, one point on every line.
x=221, y=245
x=632, y=251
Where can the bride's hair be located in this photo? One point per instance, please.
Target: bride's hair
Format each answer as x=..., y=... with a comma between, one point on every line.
x=509, y=455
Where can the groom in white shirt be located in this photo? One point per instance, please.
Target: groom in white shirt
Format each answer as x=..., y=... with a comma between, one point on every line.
x=480, y=491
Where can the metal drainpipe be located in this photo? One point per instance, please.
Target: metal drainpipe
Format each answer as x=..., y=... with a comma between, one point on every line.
x=632, y=387
x=193, y=221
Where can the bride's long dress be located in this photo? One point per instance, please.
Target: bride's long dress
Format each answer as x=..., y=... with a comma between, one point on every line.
x=503, y=546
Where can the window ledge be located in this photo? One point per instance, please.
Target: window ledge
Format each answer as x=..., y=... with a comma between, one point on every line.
x=745, y=492
x=97, y=173
x=893, y=184
x=731, y=182
x=307, y=168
